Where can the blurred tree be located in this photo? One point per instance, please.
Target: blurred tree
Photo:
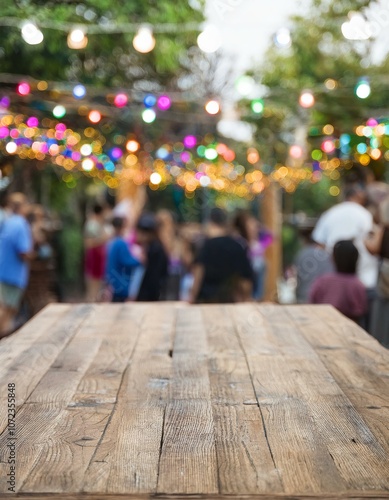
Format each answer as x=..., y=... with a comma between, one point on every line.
x=321, y=59
x=109, y=59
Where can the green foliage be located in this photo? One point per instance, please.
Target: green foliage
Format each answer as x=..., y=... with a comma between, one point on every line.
x=318, y=52
x=109, y=58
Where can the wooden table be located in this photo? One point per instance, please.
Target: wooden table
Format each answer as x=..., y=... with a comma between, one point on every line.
x=157, y=400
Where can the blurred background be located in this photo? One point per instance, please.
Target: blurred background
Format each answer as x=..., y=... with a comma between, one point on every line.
x=240, y=104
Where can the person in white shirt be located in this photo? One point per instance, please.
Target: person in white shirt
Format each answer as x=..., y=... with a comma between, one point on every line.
x=350, y=220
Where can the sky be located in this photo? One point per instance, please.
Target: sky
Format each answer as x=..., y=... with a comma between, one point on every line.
x=247, y=26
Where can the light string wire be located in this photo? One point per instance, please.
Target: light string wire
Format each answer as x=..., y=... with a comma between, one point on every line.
x=109, y=27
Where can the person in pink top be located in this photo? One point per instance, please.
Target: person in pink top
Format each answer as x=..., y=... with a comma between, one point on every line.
x=342, y=289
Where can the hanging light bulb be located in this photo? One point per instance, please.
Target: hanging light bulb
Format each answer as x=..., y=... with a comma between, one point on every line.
x=31, y=34
x=212, y=107
x=283, y=39
x=209, y=40
x=144, y=40
x=307, y=99
x=77, y=39
x=363, y=89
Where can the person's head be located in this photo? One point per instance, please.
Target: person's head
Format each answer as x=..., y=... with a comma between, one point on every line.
x=18, y=204
x=345, y=255
x=118, y=224
x=217, y=223
x=146, y=228
x=355, y=192
x=98, y=209
x=246, y=225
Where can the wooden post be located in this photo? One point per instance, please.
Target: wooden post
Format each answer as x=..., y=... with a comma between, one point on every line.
x=272, y=219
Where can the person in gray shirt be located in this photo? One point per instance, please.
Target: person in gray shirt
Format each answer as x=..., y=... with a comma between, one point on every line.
x=311, y=262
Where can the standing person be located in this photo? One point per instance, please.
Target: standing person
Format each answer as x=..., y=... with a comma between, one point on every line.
x=95, y=238
x=378, y=245
x=15, y=252
x=248, y=231
x=311, y=262
x=350, y=220
x=167, y=234
x=120, y=263
x=222, y=270
x=153, y=282
x=342, y=289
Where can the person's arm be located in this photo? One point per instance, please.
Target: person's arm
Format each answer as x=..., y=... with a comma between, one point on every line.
x=198, y=275
x=24, y=243
x=319, y=234
x=126, y=259
x=374, y=242
x=245, y=290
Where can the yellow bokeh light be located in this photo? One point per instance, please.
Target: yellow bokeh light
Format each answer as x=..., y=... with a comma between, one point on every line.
x=334, y=191
x=328, y=129
x=42, y=85
x=364, y=159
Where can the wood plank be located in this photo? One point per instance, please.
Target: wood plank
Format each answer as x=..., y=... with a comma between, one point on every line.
x=245, y=462
x=67, y=450
x=188, y=462
x=48, y=401
x=274, y=361
x=30, y=365
x=357, y=362
x=379, y=495
x=359, y=458
x=126, y=460
x=60, y=381
x=20, y=341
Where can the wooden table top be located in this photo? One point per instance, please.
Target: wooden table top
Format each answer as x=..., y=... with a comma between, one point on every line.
x=168, y=400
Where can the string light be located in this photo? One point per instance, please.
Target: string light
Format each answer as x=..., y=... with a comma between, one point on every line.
x=120, y=100
x=149, y=115
x=209, y=41
x=79, y=91
x=144, y=41
x=307, y=99
x=212, y=107
x=257, y=106
x=283, y=39
x=31, y=34
x=164, y=103
x=94, y=116
x=155, y=178
x=59, y=111
x=363, y=90
x=245, y=85
x=23, y=88
x=77, y=39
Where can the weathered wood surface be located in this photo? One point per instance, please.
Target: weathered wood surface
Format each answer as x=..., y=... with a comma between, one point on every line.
x=172, y=401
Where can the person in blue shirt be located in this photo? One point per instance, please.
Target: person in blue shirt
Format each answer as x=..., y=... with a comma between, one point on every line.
x=120, y=263
x=16, y=249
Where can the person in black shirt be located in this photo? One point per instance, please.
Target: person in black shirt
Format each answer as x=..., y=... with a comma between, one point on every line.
x=222, y=271
x=156, y=269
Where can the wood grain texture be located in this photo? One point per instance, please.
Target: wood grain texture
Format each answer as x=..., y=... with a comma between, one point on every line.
x=245, y=464
x=347, y=496
x=167, y=400
x=30, y=365
x=358, y=363
x=188, y=455
x=126, y=460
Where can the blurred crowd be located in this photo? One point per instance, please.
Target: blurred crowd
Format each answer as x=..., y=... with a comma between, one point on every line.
x=345, y=259
x=147, y=257
x=27, y=281
x=153, y=258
